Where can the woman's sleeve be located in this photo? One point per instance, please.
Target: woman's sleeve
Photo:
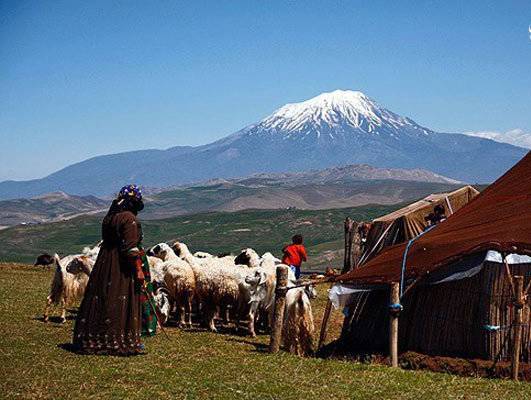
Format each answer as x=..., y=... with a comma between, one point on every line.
x=129, y=233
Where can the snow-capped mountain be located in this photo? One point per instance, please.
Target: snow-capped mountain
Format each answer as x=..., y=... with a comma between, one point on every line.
x=332, y=129
x=336, y=113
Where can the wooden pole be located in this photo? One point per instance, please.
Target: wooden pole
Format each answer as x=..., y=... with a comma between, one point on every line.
x=517, y=337
x=356, y=246
x=393, y=324
x=349, y=237
x=280, y=303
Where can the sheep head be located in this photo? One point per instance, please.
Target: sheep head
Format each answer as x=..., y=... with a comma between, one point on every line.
x=248, y=257
x=79, y=265
x=257, y=283
x=311, y=291
x=161, y=250
x=181, y=250
x=44, y=260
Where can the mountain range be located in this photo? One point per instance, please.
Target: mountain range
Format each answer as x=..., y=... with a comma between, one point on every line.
x=332, y=129
x=337, y=187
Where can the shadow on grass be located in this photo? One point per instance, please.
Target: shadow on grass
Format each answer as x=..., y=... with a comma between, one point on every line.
x=54, y=320
x=258, y=347
x=68, y=347
x=71, y=348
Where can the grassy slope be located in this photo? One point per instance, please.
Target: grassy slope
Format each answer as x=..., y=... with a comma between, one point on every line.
x=264, y=230
x=195, y=364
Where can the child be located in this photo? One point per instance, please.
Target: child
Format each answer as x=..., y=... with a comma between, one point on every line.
x=294, y=255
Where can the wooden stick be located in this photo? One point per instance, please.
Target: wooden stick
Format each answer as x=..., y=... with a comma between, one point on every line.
x=280, y=303
x=356, y=246
x=526, y=290
x=509, y=276
x=324, y=324
x=393, y=325
x=517, y=341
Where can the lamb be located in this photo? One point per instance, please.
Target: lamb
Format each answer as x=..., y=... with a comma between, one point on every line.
x=178, y=277
x=298, y=327
x=69, y=282
x=162, y=302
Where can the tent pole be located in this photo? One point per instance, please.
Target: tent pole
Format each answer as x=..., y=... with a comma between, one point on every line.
x=393, y=323
x=517, y=325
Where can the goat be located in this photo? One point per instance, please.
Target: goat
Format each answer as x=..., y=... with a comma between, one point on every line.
x=69, y=282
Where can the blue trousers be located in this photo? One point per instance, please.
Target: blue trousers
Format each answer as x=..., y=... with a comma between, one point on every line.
x=296, y=270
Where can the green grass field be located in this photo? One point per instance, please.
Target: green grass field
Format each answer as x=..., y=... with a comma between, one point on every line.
x=215, y=232
x=195, y=364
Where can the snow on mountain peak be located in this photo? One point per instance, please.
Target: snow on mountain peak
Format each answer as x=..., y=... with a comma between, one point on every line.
x=335, y=109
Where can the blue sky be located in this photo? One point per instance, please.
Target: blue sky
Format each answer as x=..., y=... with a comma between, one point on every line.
x=79, y=79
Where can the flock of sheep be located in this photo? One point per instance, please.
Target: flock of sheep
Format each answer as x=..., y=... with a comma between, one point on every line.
x=239, y=290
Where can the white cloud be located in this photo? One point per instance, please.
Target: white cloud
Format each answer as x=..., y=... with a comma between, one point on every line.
x=516, y=137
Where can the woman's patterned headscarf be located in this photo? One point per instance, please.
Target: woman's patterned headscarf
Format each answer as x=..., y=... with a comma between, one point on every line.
x=130, y=192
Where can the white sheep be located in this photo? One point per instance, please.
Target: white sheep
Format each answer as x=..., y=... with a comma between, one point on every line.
x=220, y=285
x=182, y=251
x=69, y=282
x=202, y=254
x=263, y=294
x=178, y=277
x=298, y=327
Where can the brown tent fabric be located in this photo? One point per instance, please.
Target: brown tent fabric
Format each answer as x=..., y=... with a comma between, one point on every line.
x=406, y=223
x=497, y=219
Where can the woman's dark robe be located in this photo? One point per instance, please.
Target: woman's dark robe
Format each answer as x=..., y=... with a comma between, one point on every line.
x=109, y=318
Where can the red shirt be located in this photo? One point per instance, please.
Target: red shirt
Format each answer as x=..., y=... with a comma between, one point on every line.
x=294, y=254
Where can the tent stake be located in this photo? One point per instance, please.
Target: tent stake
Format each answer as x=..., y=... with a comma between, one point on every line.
x=517, y=337
x=393, y=323
x=280, y=303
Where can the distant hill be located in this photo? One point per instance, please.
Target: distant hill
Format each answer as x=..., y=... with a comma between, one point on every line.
x=259, y=193
x=46, y=208
x=332, y=129
x=337, y=187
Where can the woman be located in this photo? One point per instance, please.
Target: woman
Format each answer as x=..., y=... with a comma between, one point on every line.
x=109, y=320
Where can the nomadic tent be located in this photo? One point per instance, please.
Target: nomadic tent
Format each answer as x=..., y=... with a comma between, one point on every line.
x=455, y=290
x=406, y=223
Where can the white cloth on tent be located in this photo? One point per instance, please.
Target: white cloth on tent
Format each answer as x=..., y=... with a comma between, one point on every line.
x=495, y=256
x=340, y=294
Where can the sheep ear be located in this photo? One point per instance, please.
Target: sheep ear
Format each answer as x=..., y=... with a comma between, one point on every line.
x=263, y=278
x=57, y=259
